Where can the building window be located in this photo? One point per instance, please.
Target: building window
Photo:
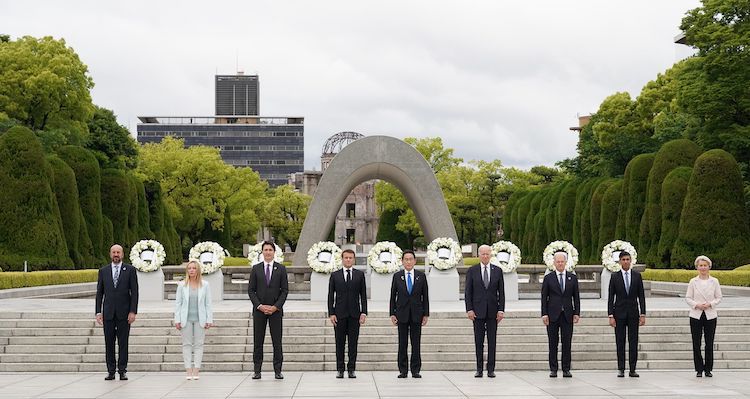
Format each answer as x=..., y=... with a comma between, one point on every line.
x=350, y=212
x=350, y=236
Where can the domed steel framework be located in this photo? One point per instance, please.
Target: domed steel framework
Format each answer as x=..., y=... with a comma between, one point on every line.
x=335, y=143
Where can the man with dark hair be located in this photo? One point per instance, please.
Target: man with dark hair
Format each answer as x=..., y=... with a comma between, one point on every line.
x=268, y=288
x=626, y=295
x=347, y=310
x=410, y=310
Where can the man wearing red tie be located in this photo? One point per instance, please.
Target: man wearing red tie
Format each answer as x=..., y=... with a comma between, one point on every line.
x=409, y=309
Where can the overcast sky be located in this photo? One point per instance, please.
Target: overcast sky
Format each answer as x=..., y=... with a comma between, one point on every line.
x=495, y=79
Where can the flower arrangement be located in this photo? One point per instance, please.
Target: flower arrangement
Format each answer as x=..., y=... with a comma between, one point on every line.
x=209, y=254
x=510, y=256
x=444, y=253
x=147, y=255
x=385, y=257
x=324, y=257
x=561, y=246
x=255, y=254
x=611, y=254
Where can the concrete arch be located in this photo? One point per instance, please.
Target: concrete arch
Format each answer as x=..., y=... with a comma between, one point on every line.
x=376, y=157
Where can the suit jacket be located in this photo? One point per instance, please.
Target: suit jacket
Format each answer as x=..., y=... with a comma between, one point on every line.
x=407, y=307
x=272, y=294
x=711, y=294
x=485, y=302
x=622, y=305
x=347, y=299
x=117, y=301
x=182, y=304
x=555, y=301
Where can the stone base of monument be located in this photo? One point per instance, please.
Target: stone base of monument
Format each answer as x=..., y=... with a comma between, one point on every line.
x=216, y=284
x=443, y=284
x=319, y=286
x=380, y=286
x=606, y=276
x=151, y=286
x=511, y=286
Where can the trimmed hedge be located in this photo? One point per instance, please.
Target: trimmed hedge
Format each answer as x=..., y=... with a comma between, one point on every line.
x=566, y=206
x=116, y=198
x=608, y=215
x=714, y=219
x=37, y=279
x=673, y=192
x=595, y=212
x=633, y=200
x=737, y=278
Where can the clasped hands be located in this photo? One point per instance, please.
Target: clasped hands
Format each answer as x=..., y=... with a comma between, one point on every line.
x=473, y=316
x=268, y=309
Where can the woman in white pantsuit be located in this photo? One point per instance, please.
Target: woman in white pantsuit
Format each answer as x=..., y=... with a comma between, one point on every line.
x=193, y=316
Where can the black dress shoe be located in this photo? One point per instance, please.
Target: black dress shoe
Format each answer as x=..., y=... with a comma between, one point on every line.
x=633, y=374
x=256, y=375
x=279, y=376
x=553, y=374
x=699, y=374
x=566, y=374
x=352, y=374
x=708, y=374
x=339, y=374
x=123, y=376
x=110, y=377
x=478, y=374
x=416, y=375
x=491, y=374
x=621, y=373
x=402, y=375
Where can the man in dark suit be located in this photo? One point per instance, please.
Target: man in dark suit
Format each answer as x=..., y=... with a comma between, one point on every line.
x=267, y=289
x=485, y=306
x=409, y=309
x=347, y=309
x=116, y=308
x=561, y=308
x=626, y=296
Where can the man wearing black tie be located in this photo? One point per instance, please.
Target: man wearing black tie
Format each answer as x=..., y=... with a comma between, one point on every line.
x=485, y=306
x=409, y=309
x=347, y=310
x=267, y=289
x=626, y=296
x=561, y=308
x=116, y=308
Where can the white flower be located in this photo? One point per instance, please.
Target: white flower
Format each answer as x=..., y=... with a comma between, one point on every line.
x=561, y=246
x=216, y=256
x=373, y=258
x=514, y=256
x=146, y=265
x=324, y=267
x=616, y=246
x=255, y=254
x=445, y=263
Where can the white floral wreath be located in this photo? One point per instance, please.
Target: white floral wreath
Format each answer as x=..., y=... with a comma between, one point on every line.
x=453, y=259
x=255, y=254
x=561, y=246
x=320, y=266
x=379, y=266
x=217, y=258
x=151, y=262
x=514, y=258
x=611, y=254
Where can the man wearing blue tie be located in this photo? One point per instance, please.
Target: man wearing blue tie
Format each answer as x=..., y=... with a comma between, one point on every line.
x=409, y=309
x=561, y=309
x=626, y=296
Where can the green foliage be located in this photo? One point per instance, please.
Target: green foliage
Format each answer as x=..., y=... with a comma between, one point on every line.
x=111, y=142
x=157, y=222
x=107, y=235
x=714, y=219
x=583, y=219
x=673, y=192
x=32, y=227
x=595, y=212
x=633, y=200
x=736, y=278
x=116, y=199
x=36, y=279
x=387, y=229
x=284, y=214
x=608, y=215
x=144, y=217
x=565, y=210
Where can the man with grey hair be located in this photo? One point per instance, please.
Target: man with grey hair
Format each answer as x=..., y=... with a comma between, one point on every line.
x=485, y=307
x=561, y=308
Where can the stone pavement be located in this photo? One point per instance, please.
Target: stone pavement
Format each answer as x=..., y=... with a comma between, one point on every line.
x=380, y=384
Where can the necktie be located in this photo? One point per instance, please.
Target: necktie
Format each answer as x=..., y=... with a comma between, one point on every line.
x=408, y=283
x=485, y=277
x=348, y=275
x=562, y=282
x=117, y=275
x=268, y=274
x=627, y=283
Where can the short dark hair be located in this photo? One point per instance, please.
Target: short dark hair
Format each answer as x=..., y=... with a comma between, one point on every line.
x=348, y=251
x=408, y=251
x=624, y=254
x=263, y=246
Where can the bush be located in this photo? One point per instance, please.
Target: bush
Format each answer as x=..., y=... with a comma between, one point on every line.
x=608, y=216
x=32, y=227
x=519, y=219
x=714, y=219
x=737, y=278
x=550, y=215
x=116, y=199
x=633, y=200
x=36, y=279
x=585, y=245
x=530, y=235
x=595, y=212
x=387, y=229
x=566, y=206
x=673, y=192
x=144, y=217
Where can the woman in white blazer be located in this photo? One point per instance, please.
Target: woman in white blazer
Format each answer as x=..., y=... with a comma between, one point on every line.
x=193, y=316
x=703, y=295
